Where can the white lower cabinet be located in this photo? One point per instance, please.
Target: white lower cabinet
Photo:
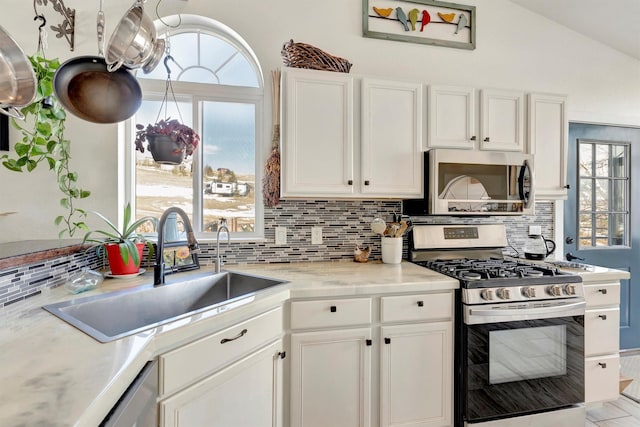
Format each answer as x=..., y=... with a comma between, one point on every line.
x=602, y=341
x=331, y=378
x=247, y=393
x=231, y=378
x=337, y=370
x=416, y=375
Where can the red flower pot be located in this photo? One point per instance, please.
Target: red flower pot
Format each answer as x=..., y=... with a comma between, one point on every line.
x=118, y=267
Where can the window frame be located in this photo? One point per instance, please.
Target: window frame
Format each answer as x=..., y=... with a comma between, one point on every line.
x=593, y=177
x=197, y=94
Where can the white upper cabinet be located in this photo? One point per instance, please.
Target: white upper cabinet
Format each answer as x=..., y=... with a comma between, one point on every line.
x=451, y=117
x=317, y=143
x=320, y=155
x=391, y=147
x=502, y=120
x=548, y=142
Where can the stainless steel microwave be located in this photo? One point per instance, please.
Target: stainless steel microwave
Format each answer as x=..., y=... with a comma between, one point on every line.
x=461, y=182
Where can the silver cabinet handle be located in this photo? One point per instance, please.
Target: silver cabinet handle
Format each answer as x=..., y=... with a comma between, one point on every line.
x=240, y=335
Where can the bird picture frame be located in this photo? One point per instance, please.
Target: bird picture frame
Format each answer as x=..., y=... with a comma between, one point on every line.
x=428, y=22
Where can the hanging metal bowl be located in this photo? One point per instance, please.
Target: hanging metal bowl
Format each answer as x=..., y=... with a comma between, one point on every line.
x=17, y=80
x=133, y=44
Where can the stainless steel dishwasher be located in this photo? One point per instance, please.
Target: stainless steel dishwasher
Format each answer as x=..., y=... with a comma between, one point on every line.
x=138, y=405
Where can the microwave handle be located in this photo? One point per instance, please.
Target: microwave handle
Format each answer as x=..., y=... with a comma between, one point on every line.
x=529, y=197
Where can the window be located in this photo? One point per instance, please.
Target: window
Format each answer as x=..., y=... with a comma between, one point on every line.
x=604, y=194
x=218, y=90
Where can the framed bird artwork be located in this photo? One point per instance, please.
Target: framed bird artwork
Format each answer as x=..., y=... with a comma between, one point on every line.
x=430, y=22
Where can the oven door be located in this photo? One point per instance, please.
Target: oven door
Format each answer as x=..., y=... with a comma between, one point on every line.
x=529, y=360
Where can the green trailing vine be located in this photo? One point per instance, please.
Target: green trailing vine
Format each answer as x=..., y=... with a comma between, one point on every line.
x=43, y=141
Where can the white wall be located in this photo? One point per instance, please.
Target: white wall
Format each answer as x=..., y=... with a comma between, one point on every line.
x=516, y=49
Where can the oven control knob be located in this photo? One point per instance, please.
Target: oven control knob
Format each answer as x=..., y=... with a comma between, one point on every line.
x=503, y=293
x=529, y=292
x=486, y=294
x=570, y=289
x=554, y=290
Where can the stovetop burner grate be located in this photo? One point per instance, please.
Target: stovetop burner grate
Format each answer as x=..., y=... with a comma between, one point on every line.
x=497, y=271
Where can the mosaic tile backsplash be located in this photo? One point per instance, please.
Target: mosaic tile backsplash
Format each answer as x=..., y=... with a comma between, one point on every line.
x=345, y=224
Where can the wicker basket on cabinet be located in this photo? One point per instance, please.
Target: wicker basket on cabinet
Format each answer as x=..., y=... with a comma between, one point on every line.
x=302, y=55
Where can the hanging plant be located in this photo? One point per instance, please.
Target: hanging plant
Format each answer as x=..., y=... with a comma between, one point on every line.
x=43, y=141
x=169, y=140
x=185, y=138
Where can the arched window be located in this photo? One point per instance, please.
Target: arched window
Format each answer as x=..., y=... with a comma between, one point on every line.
x=218, y=87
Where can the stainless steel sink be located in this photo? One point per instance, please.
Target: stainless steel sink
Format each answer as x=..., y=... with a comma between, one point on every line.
x=116, y=315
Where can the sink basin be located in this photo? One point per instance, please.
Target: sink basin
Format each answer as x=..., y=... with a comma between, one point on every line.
x=116, y=315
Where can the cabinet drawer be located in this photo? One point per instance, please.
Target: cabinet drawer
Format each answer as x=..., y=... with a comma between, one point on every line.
x=601, y=378
x=409, y=308
x=330, y=313
x=194, y=361
x=602, y=294
x=602, y=330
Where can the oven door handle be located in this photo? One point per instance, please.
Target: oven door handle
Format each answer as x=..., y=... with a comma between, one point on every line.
x=485, y=316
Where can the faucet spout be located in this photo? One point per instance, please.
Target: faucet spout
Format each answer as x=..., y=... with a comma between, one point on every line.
x=159, y=268
x=221, y=227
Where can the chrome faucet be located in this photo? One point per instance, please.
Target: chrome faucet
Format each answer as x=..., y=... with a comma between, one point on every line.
x=222, y=226
x=158, y=269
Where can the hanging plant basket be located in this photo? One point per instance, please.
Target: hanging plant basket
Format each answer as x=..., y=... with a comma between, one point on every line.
x=165, y=150
x=169, y=140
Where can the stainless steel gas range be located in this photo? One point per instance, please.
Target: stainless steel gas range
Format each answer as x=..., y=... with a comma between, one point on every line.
x=519, y=330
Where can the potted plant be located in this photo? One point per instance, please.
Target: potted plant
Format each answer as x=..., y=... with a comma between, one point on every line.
x=43, y=141
x=123, y=247
x=169, y=141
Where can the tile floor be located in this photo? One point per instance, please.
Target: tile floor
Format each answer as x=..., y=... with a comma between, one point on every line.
x=623, y=412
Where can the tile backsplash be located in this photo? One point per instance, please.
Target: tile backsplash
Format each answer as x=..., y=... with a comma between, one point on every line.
x=345, y=224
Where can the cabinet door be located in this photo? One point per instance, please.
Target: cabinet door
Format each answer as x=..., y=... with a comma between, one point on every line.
x=502, y=123
x=331, y=378
x=317, y=142
x=602, y=376
x=247, y=393
x=451, y=117
x=601, y=331
x=548, y=142
x=391, y=149
x=416, y=379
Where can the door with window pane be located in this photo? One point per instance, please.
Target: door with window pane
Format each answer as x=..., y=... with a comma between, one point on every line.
x=604, y=161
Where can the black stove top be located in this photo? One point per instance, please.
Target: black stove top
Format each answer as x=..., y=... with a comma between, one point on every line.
x=492, y=272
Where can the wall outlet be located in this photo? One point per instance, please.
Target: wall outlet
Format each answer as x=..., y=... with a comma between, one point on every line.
x=535, y=230
x=281, y=235
x=316, y=235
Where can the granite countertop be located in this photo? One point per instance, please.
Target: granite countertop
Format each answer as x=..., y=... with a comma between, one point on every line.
x=55, y=375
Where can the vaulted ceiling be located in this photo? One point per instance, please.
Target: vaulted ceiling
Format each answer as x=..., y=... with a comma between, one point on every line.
x=615, y=23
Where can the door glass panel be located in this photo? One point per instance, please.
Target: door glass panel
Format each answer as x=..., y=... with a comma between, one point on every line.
x=586, y=160
x=603, y=194
x=618, y=227
x=585, y=229
x=618, y=163
x=618, y=196
x=602, y=229
x=602, y=160
x=586, y=197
